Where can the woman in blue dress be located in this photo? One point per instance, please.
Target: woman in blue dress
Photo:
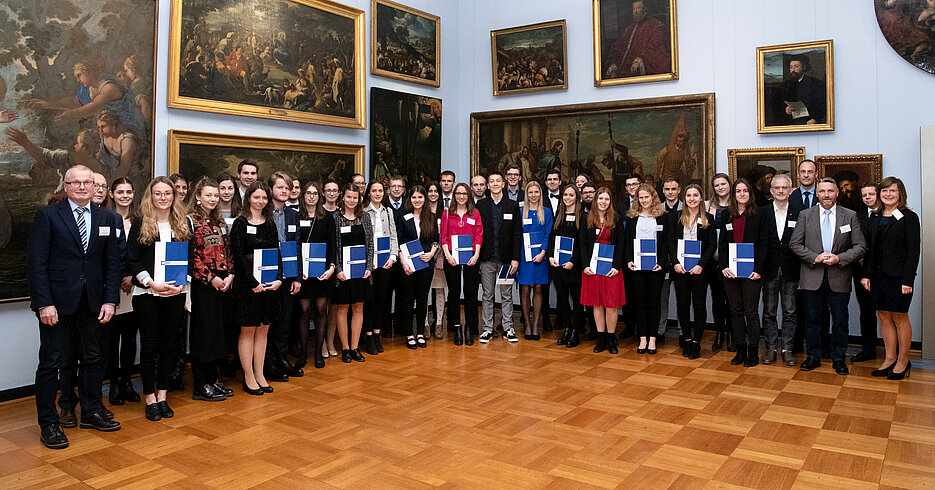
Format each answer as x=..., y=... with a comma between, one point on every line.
x=533, y=267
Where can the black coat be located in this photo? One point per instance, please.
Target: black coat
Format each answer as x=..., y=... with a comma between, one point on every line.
x=901, y=246
x=707, y=236
x=570, y=229
x=753, y=232
x=588, y=236
x=796, y=203
x=321, y=231
x=406, y=231
x=662, y=249
x=511, y=231
x=778, y=254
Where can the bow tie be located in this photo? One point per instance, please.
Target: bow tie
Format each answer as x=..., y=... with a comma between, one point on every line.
x=553, y=196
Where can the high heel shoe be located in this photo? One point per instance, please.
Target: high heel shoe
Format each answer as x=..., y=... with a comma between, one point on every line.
x=898, y=376
x=883, y=372
x=641, y=350
x=251, y=391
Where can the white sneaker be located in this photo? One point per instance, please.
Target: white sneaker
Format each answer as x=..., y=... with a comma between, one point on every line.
x=511, y=336
x=485, y=337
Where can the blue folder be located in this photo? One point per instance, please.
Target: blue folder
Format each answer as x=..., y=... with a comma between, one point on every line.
x=602, y=259
x=504, y=277
x=171, y=263
x=413, y=253
x=532, y=245
x=355, y=261
x=314, y=259
x=382, y=251
x=266, y=265
x=741, y=259
x=644, y=253
x=290, y=259
x=462, y=248
x=564, y=247
x=689, y=253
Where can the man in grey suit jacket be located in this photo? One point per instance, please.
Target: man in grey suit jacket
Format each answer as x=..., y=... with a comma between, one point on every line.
x=828, y=239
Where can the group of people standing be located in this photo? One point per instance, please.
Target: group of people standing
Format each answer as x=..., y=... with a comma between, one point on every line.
x=90, y=266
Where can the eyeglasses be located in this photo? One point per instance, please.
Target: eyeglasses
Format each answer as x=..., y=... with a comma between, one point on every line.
x=100, y=186
x=162, y=194
x=81, y=183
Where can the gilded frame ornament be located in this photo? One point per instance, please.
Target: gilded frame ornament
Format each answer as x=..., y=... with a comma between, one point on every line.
x=495, y=57
x=771, y=106
x=176, y=100
x=868, y=167
x=741, y=160
x=602, y=77
x=374, y=54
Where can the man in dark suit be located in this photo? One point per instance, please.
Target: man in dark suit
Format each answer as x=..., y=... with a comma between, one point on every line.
x=502, y=245
x=277, y=366
x=631, y=184
x=552, y=196
x=446, y=196
x=799, y=87
x=827, y=239
x=868, y=315
x=803, y=197
x=74, y=270
x=671, y=190
x=514, y=183
x=781, y=275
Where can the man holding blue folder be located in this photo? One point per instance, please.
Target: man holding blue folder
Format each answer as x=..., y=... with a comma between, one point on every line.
x=503, y=230
x=277, y=366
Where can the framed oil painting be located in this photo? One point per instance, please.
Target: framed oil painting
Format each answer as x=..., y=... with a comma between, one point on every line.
x=292, y=60
x=907, y=25
x=529, y=58
x=405, y=43
x=760, y=165
x=635, y=41
x=657, y=138
x=194, y=155
x=67, y=67
x=405, y=136
x=795, y=87
x=850, y=172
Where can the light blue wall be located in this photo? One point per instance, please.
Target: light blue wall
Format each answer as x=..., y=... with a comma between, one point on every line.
x=880, y=100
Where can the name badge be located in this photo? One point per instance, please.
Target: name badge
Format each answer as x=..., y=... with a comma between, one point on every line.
x=527, y=221
x=699, y=221
x=507, y=216
x=305, y=223
x=729, y=226
x=290, y=229
x=103, y=231
x=408, y=217
x=117, y=232
x=521, y=204
x=345, y=229
x=229, y=221
x=846, y=229
x=471, y=221
x=897, y=214
x=438, y=223
x=251, y=230
x=570, y=217
x=597, y=231
x=223, y=231
x=658, y=227
x=790, y=224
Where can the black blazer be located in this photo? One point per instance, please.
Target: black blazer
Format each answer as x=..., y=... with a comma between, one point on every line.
x=778, y=254
x=406, y=231
x=796, y=203
x=588, y=236
x=753, y=232
x=662, y=249
x=569, y=229
x=292, y=224
x=141, y=257
x=707, y=236
x=623, y=206
x=320, y=231
x=511, y=231
x=58, y=268
x=520, y=194
x=900, y=245
x=547, y=202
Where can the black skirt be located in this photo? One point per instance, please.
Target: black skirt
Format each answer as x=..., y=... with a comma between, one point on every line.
x=206, y=334
x=312, y=288
x=352, y=291
x=887, y=294
x=255, y=309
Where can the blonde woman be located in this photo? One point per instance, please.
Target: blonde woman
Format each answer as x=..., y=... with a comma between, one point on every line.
x=646, y=220
x=534, y=274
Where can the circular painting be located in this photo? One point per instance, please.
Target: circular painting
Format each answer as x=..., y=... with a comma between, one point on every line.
x=909, y=27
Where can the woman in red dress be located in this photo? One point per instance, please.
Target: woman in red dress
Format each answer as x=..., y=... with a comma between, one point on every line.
x=603, y=292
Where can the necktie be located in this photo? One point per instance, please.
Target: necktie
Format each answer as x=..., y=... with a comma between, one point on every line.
x=447, y=202
x=82, y=228
x=827, y=234
x=807, y=199
x=396, y=204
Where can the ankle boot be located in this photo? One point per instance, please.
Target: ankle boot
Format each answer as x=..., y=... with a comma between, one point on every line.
x=459, y=334
x=741, y=355
x=601, y=343
x=468, y=335
x=718, y=343
x=753, y=356
x=685, y=344
x=611, y=343
x=572, y=340
x=563, y=338
x=370, y=345
x=695, y=350
x=731, y=341
x=377, y=343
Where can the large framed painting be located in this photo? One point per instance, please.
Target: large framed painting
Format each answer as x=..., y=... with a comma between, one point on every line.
x=405, y=43
x=908, y=28
x=194, y=155
x=850, y=172
x=76, y=87
x=405, y=136
x=292, y=60
x=658, y=138
x=635, y=41
x=795, y=87
x=760, y=165
x=529, y=58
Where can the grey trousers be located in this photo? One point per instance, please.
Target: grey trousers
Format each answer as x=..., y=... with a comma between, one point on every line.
x=488, y=279
x=773, y=290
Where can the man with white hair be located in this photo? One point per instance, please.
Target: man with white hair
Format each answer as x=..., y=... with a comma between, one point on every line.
x=781, y=275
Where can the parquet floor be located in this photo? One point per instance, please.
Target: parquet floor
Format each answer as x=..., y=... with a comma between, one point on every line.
x=530, y=415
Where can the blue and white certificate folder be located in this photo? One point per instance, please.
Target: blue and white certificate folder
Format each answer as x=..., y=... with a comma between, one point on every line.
x=740, y=259
x=290, y=259
x=412, y=251
x=564, y=248
x=266, y=265
x=644, y=253
x=462, y=248
x=314, y=259
x=689, y=253
x=382, y=251
x=355, y=261
x=532, y=245
x=602, y=259
x=171, y=263
x=504, y=277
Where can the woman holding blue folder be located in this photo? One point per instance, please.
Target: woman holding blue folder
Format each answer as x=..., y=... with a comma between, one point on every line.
x=533, y=266
x=462, y=220
x=376, y=307
x=316, y=225
x=158, y=305
x=353, y=228
x=257, y=304
x=690, y=267
x=418, y=224
x=646, y=221
x=566, y=273
x=603, y=291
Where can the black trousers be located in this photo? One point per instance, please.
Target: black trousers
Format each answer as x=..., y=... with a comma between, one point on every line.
x=691, y=293
x=278, y=345
x=719, y=309
x=415, y=291
x=377, y=306
x=868, y=317
x=568, y=300
x=644, y=292
x=743, y=296
x=469, y=277
x=78, y=335
x=158, y=319
x=121, y=347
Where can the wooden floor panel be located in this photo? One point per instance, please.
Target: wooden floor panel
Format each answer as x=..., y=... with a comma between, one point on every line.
x=526, y=415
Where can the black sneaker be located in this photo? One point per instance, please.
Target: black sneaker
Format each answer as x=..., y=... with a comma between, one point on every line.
x=510, y=336
x=485, y=337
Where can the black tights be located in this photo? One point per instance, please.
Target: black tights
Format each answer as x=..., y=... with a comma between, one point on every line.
x=313, y=310
x=532, y=322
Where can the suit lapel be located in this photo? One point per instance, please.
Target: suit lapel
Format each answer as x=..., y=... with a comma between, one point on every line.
x=68, y=219
x=97, y=219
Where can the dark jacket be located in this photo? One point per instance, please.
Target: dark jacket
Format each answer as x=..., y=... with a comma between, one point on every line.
x=662, y=249
x=588, y=236
x=707, y=236
x=753, y=232
x=570, y=229
x=511, y=231
x=796, y=203
x=319, y=230
x=141, y=257
x=406, y=231
x=901, y=245
x=778, y=254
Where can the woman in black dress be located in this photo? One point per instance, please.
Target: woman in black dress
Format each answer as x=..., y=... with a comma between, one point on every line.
x=719, y=207
x=257, y=304
x=315, y=226
x=889, y=274
x=211, y=269
x=566, y=276
x=418, y=224
x=352, y=227
x=123, y=327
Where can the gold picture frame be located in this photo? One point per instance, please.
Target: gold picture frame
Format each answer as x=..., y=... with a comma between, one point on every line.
x=662, y=16
x=380, y=56
x=869, y=167
x=740, y=161
x=194, y=154
x=282, y=98
x=538, y=38
x=776, y=84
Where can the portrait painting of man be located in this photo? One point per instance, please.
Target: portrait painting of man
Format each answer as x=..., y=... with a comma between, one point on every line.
x=635, y=41
x=795, y=87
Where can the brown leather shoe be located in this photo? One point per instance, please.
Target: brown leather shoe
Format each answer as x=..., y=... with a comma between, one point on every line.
x=770, y=356
x=787, y=358
x=67, y=418
x=105, y=412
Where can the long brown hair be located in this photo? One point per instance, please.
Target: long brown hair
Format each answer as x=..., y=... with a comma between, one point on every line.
x=149, y=229
x=426, y=216
x=657, y=208
x=359, y=209
x=236, y=205
x=686, y=214
x=469, y=205
x=134, y=210
x=267, y=213
x=194, y=206
x=750, y=208
x=610, y=219
x=560, y=212
x=319, y=206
